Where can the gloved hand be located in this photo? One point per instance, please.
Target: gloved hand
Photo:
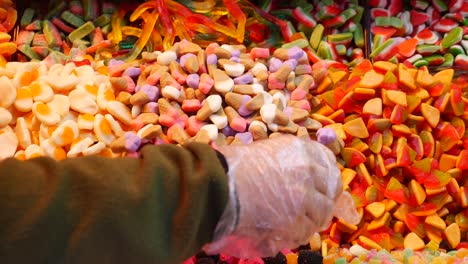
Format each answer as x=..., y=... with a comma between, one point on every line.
x=282, y=191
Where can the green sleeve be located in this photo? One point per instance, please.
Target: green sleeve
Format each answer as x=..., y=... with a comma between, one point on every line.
x=160, y=208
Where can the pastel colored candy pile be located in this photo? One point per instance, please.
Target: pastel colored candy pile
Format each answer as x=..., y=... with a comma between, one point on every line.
x=423, y=33
x=61, y=112
x=219, y=95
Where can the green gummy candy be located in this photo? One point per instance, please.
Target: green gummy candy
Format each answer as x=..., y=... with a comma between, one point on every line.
x=48, y=30
x=380, y=48
x=359, y=13
x=30, y=53
x=433, y=59
x=378, y=40
x=420, y=63
x=348, y=13
x=324, y=51
x=102, y=20
x=106, y=29
x=359, y=36
x=341, y=50
x=425, y=48
x=340, y=37
x=89, y=7
x=301, y=43
x=27, y=17
x=454, y=36
x=440, y=5
x=393, y=59
x=414, y=58
x=449, y=59
x=81, y=32
x=316, y=36
x=56, y=10
x=284, y=14
x=72, y=19
x=396, y=22
x=382, y=21
x=81, y=43
x=389, y=21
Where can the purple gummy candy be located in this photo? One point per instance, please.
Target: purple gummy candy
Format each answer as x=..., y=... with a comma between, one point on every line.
x=152, y=107
x=132, y=141
x=228, y=131
x=244, y=79
x=151, y=91
x=245, y=137
x=326, y=135
x=243, y=111
x=184, y=58
x=292, y=64
x=211, y=59
x=132, y=72
x=193, y=80
x=275, y=64
x=235, y=53
x=295, y=53
x=235, y=59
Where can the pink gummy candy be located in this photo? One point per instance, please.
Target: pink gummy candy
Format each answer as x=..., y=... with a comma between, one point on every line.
x=191, y=105
x=116, y=70
x=136, y=124
x=206, y=83
x=193, y=125
x=273, y=83
x=298, y=94
x=238, y=124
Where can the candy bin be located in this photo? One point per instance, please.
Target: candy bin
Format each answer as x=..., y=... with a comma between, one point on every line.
x=388, y=78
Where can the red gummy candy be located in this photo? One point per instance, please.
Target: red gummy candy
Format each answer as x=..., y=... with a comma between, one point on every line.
x=418, y=18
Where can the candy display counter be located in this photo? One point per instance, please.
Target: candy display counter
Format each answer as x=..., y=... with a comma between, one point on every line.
x=389, y=77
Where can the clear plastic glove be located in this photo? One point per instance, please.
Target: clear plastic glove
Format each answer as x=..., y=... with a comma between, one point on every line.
x=283, y=190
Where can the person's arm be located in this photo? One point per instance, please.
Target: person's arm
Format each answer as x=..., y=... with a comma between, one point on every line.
x=160, y=208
